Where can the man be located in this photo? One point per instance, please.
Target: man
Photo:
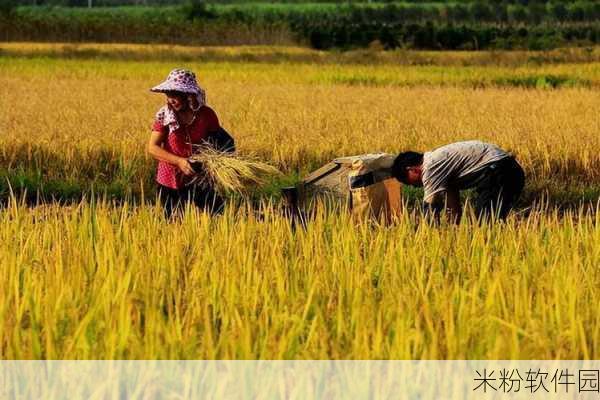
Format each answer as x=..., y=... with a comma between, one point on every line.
x=494, y=174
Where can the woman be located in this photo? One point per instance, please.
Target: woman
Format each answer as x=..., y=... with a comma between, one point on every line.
x=184, y=121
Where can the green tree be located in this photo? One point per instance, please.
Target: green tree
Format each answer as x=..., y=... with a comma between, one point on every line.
x=517, y=13
x=577, y=13
x=7, y=7
x=537, y=12
x=500, y=11
x=481, y=11
x=197, y=9
x=559, y=11
x=458, y=13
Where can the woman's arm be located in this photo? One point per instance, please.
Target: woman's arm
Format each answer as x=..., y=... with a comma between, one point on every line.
x=156, y=150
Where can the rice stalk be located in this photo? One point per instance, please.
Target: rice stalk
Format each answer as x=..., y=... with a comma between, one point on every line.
x=230, y=172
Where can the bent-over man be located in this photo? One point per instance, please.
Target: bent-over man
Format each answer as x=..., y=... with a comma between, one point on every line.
x=494, y=174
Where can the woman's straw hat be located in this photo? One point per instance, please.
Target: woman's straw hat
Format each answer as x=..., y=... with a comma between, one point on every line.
x=184, y=81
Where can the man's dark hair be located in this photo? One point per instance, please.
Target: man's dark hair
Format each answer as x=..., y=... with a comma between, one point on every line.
x=403, y=161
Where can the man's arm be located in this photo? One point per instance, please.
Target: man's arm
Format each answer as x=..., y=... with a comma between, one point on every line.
x=448, y=200
x=453, y=207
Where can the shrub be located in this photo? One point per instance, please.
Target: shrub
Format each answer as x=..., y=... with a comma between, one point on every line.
x=196, y=9
x=7, y=7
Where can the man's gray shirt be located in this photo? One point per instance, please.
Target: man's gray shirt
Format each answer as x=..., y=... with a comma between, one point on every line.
x=457, y=166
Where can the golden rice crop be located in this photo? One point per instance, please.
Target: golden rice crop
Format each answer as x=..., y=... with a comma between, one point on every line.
x=103, y=279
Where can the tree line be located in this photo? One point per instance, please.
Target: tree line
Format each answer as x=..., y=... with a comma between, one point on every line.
x=474, y=25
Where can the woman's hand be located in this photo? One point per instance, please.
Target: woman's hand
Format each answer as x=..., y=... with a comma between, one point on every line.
x=155, y=149
x=184, y=166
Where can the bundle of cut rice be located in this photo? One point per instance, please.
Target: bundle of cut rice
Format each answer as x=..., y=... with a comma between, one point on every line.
x=229, y=171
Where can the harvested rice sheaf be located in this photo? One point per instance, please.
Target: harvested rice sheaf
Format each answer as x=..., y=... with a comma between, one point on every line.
x=230, y=171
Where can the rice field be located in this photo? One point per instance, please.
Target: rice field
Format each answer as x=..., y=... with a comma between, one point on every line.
x=92, y=270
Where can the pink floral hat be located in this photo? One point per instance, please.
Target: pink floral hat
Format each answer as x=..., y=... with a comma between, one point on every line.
x=184, y=81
